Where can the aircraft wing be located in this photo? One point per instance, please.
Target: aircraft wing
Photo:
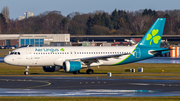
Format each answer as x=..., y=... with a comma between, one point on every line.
x=96, y=59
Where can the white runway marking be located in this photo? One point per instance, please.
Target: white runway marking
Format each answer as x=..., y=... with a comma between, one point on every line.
x=141, y=84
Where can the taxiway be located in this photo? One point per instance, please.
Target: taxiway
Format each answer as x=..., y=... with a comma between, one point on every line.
x=86, y=86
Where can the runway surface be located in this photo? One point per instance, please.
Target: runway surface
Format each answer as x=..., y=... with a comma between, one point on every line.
x=82, y=86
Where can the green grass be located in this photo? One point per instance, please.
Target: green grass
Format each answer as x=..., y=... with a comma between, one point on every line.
x=89, y=98
x=151, y=71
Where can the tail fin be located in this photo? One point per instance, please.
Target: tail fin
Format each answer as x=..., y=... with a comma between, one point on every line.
x=153, y=36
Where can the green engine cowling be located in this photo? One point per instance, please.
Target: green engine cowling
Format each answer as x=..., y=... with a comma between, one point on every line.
x=71, y=66
x=51, y=68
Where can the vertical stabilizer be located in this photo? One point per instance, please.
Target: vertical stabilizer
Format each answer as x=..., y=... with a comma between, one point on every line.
x=153, y=36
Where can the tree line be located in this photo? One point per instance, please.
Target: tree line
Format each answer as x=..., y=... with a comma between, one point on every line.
x=119, y=22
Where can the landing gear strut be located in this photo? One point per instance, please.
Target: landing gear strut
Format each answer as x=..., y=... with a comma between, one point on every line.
x=89, y=71
x=26, y=70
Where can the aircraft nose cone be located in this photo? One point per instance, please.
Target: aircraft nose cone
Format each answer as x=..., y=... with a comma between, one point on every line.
x=7, y=59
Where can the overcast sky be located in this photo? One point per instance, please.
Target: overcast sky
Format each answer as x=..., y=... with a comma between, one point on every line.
x=18, y=7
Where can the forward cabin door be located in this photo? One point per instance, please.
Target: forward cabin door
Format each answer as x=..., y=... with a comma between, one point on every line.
x=29, y=54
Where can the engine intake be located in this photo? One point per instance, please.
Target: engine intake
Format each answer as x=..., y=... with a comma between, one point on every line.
x=71, y=66
x=51, y=68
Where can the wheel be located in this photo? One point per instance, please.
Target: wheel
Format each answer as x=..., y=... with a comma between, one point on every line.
x=89, y=71
x=76, y=72
x=26, y=73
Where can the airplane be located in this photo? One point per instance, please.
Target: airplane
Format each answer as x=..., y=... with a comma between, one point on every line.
x=73, y=59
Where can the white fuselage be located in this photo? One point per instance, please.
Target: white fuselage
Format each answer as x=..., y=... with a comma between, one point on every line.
x=51, y=56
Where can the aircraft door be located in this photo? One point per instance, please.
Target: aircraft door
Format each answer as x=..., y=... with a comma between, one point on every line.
x=138, y=53
x=75, y=53
x=29, y=54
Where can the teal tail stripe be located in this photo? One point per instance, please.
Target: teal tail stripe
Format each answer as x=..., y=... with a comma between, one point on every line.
x=154, y=35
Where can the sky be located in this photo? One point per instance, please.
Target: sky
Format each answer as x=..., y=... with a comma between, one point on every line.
x=18, y=7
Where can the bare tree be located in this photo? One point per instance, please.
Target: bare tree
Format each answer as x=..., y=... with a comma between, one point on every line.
x=139, y=24
x=5, y=12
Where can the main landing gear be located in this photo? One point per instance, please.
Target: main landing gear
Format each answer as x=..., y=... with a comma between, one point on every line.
x=89, y=71
x=26, y=70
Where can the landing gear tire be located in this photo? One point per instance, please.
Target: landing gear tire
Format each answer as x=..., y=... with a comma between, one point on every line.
x=26, y=73
x=76, y=72
x=89, y=71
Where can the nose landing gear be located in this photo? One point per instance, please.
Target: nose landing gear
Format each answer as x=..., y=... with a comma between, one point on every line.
x=26, y=70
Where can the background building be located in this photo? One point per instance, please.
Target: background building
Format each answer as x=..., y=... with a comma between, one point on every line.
x=20, y=40
x=26, y=15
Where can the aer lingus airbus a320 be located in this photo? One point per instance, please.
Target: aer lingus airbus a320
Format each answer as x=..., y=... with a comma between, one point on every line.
x=73, y=59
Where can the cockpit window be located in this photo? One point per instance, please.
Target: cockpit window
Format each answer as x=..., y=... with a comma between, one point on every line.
x=11, y=53
x=15, y=53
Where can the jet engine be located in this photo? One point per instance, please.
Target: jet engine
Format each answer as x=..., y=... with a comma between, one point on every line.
x=71, y=66
x=51, y=68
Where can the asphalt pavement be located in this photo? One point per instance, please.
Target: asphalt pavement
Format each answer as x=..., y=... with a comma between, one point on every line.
x=86, y=86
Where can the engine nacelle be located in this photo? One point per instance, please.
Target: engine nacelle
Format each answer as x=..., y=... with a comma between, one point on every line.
x=71, y=66
x=51, y=68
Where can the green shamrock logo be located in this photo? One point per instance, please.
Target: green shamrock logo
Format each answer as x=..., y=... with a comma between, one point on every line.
x=154, y=37
x=62, y=49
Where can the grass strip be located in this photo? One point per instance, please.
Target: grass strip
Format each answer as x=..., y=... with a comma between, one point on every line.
x=90, y=98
